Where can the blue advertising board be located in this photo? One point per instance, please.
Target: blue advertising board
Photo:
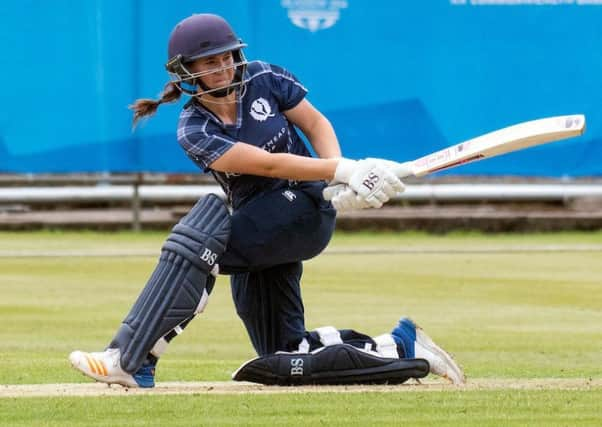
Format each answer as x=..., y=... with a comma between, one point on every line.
x=398, y=79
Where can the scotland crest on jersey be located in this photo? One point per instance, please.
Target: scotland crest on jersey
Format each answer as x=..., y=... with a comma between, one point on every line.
x=261, y=110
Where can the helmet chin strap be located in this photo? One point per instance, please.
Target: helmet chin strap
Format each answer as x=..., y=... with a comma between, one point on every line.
x=220, y=93
x=242, y=93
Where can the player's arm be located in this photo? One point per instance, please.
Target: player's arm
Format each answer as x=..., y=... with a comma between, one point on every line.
x=371, y=182
x=316, y=127
x=250, y=160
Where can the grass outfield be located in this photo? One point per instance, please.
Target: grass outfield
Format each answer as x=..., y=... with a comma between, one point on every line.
x=506, y=312
x=482, y=408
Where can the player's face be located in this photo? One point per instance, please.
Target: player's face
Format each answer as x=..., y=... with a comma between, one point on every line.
x=221, y=63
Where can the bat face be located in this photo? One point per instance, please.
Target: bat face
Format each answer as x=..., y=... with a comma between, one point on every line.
x=506, y=140
x=432, y=166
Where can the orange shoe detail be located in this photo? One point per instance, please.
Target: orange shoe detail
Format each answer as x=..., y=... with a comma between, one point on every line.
x=94, y=365
x=102, y=367
x=90, y=363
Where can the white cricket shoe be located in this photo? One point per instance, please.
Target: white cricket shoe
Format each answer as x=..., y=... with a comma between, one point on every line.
x=104, y=366
x=417, y=344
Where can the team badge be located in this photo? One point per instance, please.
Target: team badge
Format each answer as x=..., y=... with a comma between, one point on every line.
x=261, y=110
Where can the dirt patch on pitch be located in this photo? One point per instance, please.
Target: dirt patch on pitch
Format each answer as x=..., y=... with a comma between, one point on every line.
x=230, y=387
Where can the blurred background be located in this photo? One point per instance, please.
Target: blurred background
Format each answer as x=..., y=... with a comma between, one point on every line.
x=398, y=79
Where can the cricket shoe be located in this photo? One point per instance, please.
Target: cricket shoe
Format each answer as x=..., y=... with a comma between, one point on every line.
x=104, y=366
x=417, y=344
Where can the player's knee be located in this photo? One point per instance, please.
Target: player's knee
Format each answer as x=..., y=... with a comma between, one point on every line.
x=202, y=235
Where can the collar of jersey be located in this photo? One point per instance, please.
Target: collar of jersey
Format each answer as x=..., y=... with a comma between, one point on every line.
x=205, y=111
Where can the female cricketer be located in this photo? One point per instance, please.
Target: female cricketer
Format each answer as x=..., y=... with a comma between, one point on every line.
x=240, y=124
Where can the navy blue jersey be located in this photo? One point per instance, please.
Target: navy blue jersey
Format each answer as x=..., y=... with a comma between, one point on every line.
x=270, y=90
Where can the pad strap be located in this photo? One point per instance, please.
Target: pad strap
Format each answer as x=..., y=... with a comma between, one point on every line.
x=329, y=335
x=303, y=346
x=386, y=346
x=203, y=302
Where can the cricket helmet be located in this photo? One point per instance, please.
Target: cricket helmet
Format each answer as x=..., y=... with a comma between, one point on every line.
x=200, y=36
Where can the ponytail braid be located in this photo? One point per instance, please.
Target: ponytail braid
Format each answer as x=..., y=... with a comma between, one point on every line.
x=147, y=107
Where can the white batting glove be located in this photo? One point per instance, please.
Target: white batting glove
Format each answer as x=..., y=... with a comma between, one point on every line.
x=374, y=183
x=333, y=190
x=343, y=198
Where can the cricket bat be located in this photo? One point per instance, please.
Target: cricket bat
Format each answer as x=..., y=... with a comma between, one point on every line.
x=505, y=140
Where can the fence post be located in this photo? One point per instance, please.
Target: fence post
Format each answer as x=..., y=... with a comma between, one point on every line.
x=136, y=204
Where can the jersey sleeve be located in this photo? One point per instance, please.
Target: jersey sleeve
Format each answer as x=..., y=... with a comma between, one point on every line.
x=287, y=89
x=202, y=141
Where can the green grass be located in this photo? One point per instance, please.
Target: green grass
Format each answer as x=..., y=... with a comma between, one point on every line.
x=475, y=408
x=504, y=315
x=58, y=240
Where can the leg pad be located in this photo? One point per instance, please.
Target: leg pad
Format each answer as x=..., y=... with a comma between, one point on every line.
x=336, y=364
x=179, y=283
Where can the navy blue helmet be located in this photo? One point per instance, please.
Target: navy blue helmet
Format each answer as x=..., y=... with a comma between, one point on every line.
x=200, y=36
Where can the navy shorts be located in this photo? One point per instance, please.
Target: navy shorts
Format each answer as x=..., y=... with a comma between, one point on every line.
x=279, y=227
